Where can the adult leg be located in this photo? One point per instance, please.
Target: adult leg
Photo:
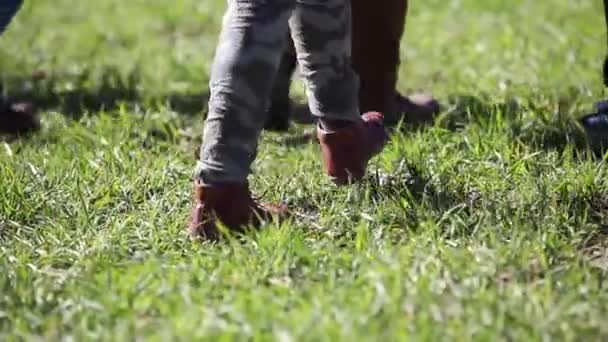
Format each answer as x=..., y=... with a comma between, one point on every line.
x=377, y=32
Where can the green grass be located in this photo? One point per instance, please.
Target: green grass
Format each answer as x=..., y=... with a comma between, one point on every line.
x=490, y=225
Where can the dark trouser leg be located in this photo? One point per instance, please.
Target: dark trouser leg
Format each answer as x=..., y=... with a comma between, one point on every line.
x=377, y=32
x=279, y=110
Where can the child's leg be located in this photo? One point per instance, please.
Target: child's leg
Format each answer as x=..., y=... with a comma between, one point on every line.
x=247, y=58
x=321, y=33
x=321, y=30
x=253, y=35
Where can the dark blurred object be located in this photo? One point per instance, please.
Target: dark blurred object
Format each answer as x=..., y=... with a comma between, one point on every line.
x=596, y=126
x=596, y=123
x=417, y=109
x=605, y=69
x=8, y=9
x=280, y=110
x=18, y=118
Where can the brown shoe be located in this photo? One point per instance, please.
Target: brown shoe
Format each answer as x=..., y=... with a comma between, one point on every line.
x=18, y=118
x=347, y=151
x=232, y=205
x=417, y=109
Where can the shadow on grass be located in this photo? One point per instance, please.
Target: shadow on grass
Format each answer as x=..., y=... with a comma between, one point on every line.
x=546, y=123
x=549, y=124
x=591, y=207
x=294, y=140
x=416, y=193
x=73, y=97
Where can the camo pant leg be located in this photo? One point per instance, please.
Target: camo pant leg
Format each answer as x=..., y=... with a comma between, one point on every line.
x=8, y=9
x=247, y=57
x=321, y=32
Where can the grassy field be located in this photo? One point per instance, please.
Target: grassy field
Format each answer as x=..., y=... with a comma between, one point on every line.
x=490, y=225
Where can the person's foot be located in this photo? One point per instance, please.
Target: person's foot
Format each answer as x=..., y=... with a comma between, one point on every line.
x=346, y=151
x=596, y=125
x=416, y=109
x=228, y=203
x=17, y=118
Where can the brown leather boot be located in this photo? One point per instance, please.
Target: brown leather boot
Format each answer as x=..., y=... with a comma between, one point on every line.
x=232, y=205
x=417, y=109
x=347, y=151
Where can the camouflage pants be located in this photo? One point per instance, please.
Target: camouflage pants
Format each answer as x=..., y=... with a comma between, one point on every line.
x=247, y=58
